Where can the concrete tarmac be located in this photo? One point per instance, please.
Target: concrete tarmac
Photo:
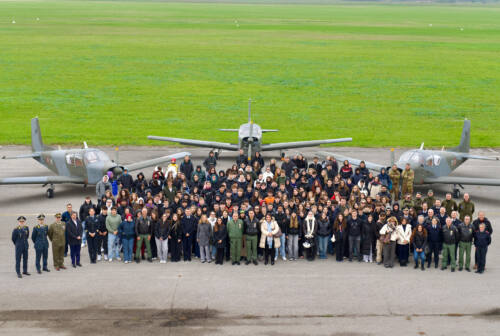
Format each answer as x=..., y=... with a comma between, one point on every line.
x=290, y=298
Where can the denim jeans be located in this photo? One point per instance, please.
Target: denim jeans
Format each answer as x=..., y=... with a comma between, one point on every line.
x=354, y=243
x=128, y=246
x=293, y=246
x=323, y=245
x=281, y=249
x=112, y=246
x=419, y=255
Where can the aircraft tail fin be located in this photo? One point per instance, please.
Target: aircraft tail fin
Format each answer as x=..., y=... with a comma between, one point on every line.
x=464, y=145
x=36, y=136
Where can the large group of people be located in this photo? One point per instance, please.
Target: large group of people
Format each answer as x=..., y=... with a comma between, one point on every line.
x=254, y=213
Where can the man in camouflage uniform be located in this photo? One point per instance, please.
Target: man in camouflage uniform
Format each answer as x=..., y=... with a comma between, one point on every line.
x=407, y=202
x=395, y=176
x=430, y=199
x=449, y=204
x=417, y=202
x=39, y=238
x=408, y=176
x=466, y=207
x=57, y=235
x=20, y=240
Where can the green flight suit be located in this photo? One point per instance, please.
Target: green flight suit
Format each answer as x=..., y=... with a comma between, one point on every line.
x=235, y=232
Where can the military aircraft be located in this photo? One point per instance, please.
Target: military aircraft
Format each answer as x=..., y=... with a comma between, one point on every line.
x=249, y=139
x=78, y=166
x=434, y=166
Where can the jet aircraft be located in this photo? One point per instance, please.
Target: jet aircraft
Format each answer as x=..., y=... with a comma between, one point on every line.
x=249, y=139
x=434, y=166
x=78, y=166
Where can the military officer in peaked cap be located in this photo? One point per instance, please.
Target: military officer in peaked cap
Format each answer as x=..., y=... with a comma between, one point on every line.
x=39, y=238
x=20, y=239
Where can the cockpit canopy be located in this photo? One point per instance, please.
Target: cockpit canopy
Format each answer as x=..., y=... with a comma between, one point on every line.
x=244, y=131
x=417, y=158
x=413, y=157
x=95, y=156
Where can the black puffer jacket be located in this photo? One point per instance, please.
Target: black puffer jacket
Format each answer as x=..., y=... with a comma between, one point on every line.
x=324, y=227
x=354, y=226
x=466, y=232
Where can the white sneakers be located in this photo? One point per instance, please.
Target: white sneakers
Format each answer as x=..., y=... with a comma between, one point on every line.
x=105, y=257
x=163, y=261
x=99, y=257
x=118, y=258
x=110, y=259
x=284, y=258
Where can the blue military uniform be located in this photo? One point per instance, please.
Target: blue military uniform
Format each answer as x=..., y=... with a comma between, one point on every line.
x=39, y=238
x=20, y=240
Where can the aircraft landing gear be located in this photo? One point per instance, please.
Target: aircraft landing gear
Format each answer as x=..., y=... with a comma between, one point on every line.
x=50, y=191
x=456, y=192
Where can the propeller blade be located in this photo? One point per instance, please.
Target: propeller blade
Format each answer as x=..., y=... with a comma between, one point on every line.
x=392, y=156
x=85, y=145
x=249, y=107
x=249, y=151
x=117, y=155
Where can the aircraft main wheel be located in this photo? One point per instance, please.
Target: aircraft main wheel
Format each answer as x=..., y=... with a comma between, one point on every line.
x=50, y=193
x=456, y=193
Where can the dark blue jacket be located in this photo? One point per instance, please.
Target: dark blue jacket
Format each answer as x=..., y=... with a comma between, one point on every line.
x=482, y=239
x=20, y=237
x=126, y=229
x=39, y=237
x=434, y=235
x=189, y=225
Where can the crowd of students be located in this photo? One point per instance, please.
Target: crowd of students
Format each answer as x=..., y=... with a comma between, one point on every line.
x=255, y=213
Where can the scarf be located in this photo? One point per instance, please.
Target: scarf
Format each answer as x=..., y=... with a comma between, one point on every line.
x=310, y=224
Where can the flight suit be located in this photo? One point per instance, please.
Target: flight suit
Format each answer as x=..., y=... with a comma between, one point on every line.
x=465, y=209
x=395, y=176
x=39, y=238
x=20, y=239
x=235, y=232
x=57, y=235
x=408, y=178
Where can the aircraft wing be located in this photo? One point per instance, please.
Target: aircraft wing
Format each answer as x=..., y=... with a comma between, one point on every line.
x=479, y=157
x=353, y=161
x=23, y=156
x=197, y=143
x=462, y=180
x=42, y=180
x=300, y=144
x=157, y=161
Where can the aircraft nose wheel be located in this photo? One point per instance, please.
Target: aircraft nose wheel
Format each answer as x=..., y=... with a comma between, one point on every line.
x=456, y=193
x=50, y=193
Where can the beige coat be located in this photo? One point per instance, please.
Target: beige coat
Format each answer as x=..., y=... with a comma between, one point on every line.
x=263, y=229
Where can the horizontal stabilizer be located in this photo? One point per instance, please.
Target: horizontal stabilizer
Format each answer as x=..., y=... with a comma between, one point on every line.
x=228, y=129
x=479, y=157
x=265, y=130
x=42, y=180
x=301, y=144
x=198, y=143
x=462, y=180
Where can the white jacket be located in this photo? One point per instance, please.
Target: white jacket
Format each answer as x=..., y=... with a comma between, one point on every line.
x=403, y=234
x=394, y=234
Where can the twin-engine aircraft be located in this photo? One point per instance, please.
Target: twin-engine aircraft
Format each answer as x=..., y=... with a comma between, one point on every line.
x=434, y=167
x=249, y=139
x=78, y=166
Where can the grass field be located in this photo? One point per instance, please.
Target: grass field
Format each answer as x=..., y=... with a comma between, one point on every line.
x=115, y=72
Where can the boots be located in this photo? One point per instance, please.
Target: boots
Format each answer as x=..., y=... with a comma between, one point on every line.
x=416, y=264
x=422, y=267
